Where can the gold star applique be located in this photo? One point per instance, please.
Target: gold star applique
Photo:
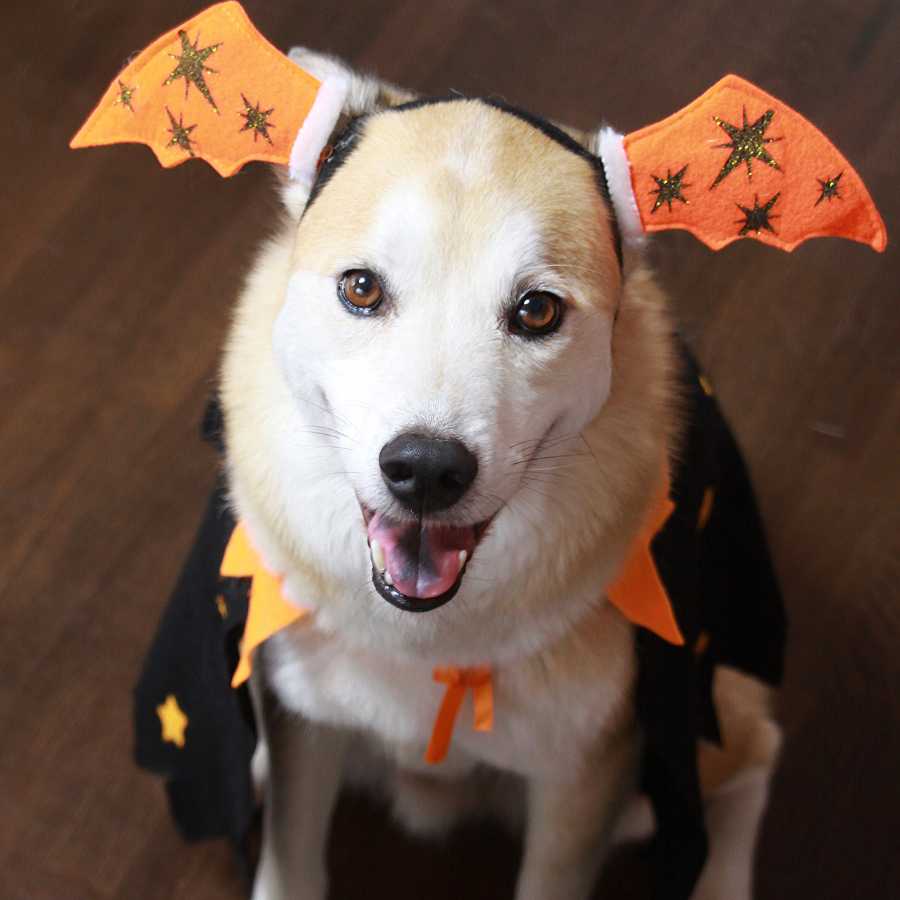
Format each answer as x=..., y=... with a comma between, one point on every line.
x=257, y=120
x=173, y=721
x=191, y=66
x=669, y=188
x=747, y=143
x=829, y=189
x=181, y=133
x=757, y=218
x=123, y=97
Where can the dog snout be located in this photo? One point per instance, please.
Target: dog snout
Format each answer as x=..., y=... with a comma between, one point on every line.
x=427, y=474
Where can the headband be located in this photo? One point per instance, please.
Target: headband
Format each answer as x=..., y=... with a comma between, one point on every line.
x=735, y=163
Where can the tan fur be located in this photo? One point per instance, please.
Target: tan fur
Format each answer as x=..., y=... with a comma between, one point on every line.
x=554, y=655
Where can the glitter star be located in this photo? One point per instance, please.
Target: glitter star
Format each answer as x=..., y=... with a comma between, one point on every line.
x=173, y=721
x=123, y=97
x=181, y=133
x=669, y=188
x=257, y=120
x=191, y=66
x=757, y=218
x=747, y=143
x=829, y=189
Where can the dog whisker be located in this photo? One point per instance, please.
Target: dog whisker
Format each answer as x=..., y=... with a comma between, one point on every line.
x=577, y=455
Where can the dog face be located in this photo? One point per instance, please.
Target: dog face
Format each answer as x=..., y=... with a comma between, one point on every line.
x=421, y=396
x=449, y=314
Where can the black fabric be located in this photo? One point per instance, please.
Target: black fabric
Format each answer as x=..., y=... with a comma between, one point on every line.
x=191, y=659
x=719, y=579
x=725, y=596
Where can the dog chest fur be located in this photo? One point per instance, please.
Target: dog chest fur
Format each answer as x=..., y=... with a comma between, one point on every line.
x=554, y=709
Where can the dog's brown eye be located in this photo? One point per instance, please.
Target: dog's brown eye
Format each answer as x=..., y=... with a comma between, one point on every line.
x=360, y=291
x=537, y=313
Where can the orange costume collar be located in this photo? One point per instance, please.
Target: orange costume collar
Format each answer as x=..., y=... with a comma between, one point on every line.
x=638, y=593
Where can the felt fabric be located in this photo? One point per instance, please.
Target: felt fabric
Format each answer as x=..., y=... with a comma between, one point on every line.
x=214, y=88
x=710, y=554
x=191, y=659
x=736, y=163
x=638, y=593
x=269, y=611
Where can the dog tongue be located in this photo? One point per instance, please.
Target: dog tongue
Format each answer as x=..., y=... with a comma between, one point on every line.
x=422, y=562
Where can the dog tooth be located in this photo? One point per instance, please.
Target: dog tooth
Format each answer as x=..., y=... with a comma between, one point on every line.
x=377, y=555
x=463, y=556
x=387, y=577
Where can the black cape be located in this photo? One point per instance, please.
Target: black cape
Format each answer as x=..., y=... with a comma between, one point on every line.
x=719, y=578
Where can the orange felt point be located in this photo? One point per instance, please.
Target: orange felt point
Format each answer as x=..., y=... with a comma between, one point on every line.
x=268, y=611
x=736, y=163
x=638, y=593
x=214, y=88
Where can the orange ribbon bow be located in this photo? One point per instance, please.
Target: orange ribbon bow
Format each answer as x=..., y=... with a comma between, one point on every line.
x=457, y=681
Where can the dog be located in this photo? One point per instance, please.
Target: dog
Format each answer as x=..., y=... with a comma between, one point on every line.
x=442, y=391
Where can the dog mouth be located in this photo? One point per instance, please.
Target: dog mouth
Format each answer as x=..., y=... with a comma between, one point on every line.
x=419, y=566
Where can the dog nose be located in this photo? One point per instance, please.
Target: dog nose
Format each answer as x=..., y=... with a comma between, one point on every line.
x=427, y=474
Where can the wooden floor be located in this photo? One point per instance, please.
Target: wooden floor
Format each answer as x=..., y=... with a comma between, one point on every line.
x=116, y=281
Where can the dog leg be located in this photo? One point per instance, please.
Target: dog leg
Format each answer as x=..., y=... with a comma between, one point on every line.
x=733, y=814
x=305, y=769
x=569, y=826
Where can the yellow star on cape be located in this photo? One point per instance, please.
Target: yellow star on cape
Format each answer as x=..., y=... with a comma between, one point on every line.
x=747, y=143
x=191, y=66
x=181, y=133
x=257, y=120
x=173, y=720
x=123, y=97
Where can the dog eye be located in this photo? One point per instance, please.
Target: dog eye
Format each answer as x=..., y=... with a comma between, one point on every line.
x=360, y=291
x=537, y=313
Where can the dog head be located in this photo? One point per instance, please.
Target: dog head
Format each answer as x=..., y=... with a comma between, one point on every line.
x=419, y=385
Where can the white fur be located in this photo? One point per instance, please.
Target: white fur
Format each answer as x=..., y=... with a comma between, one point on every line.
x=311, y=393
x=611, y=148
x=315, y=130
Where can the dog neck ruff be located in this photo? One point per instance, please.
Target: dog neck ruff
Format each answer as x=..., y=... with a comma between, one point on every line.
x=638, y=593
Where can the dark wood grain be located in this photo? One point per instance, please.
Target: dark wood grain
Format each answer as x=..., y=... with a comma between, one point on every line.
x=116, y=280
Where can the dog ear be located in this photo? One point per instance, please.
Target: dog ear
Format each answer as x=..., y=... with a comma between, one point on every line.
x=363, y=94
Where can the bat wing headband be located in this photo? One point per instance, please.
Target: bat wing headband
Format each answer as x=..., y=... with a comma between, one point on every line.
x=734, y=163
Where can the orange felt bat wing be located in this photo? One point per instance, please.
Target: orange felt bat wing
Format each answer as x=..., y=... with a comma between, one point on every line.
x=737, y=163
x=734, y=163
x=215, y=89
